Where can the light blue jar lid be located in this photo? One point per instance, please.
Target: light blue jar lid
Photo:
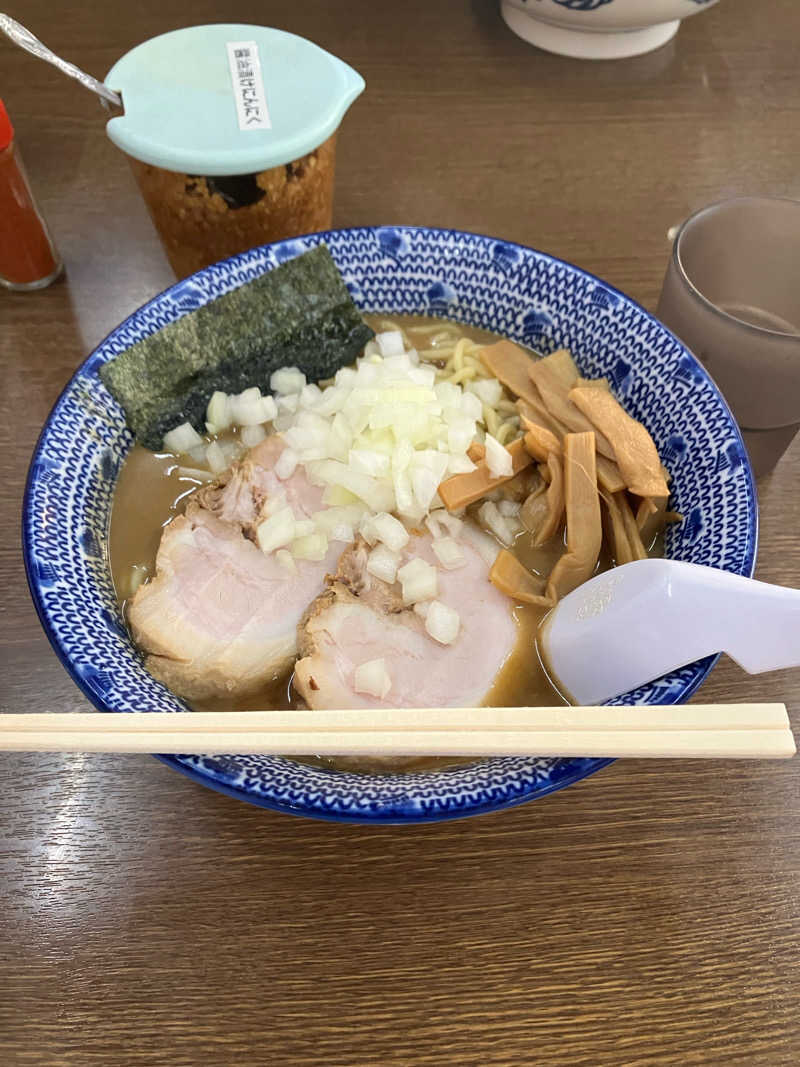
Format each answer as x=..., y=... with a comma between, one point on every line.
x=195, y=101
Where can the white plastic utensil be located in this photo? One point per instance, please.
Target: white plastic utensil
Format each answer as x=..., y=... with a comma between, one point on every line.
x=641, y=620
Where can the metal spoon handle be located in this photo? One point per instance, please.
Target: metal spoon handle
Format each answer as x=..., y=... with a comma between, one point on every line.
x=25, y=39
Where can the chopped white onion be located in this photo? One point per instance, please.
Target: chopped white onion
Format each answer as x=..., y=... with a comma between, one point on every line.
x=487, y=390
x=390, y=343
x=367, y=530
x=276, y=531
x=372, y=678
x=402, y=456
x=252, y=435
x=452, y=523
x=345, y=377
x=419, y=581
x=182, y=438
x=460, y=433
x=432, y=460
x=340, y=438
x=383, y=563
x=286, y=464
x=312, y=546
x=471, y=406
x=376, y=494
x=375, y=464
x=310, y=395
x=498, y=458
x=382, y=436
x=442, y=623
x=269, y=408
x=231, y=450
x=390, y=530
x=274, y=503
x=422, y=375
x=330, y=401
x=424, y=486
x=497, y=523
x=304, y=527
x=248, y=414
x=330, y=519
x=215, y=458
x=448, y=395
x=249, y=408
x=337, y=497
x=422, y=608
x=310, y=431
x=485, y=545
x=218, y=412
x=399, y=364
x=342, y=531
x=508, y=507
x=449, y=553
x=460, y=465
x=403, y=493
x=287, y=380
x=433, y=524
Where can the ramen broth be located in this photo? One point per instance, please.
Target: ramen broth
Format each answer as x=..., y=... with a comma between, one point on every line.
x=151, y=491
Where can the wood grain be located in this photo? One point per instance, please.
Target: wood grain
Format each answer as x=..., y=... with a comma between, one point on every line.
x=648, y=915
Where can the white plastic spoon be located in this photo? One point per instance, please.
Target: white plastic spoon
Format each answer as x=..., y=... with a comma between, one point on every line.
x=641, y=620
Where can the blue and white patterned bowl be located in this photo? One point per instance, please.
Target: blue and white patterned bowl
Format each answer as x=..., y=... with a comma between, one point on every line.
x=520, y=293
x=599, y=29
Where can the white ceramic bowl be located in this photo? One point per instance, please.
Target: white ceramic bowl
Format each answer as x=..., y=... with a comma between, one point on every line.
x=598, y=29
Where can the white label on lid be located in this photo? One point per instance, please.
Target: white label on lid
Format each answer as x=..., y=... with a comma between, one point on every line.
x=248, y=86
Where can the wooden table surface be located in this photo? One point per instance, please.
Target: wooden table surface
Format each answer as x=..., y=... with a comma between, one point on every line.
x=648, y=915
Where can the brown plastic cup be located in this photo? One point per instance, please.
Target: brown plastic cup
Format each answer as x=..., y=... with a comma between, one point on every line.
x=203, y=219
x=732, y=294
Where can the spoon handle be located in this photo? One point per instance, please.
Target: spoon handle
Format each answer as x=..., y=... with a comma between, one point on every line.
x=25, y=39
x=757, y=624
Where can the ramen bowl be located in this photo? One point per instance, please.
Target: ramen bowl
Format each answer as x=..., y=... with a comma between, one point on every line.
x=525, y=295
x=598, y=29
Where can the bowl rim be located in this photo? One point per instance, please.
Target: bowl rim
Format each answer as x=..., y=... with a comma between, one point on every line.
x=582, y=769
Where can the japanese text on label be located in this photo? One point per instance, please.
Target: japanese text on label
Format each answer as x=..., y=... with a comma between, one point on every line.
x=248, y=86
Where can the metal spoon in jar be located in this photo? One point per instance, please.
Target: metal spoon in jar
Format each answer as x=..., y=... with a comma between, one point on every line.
x=25, y=39
x=644, y=619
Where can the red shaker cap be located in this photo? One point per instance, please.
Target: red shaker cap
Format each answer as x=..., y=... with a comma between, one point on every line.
x=6, y=129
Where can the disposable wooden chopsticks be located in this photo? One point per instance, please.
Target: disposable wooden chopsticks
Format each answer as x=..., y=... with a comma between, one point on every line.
x=754, y=731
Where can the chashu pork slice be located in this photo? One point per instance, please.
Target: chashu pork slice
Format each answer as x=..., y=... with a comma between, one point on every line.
x=361, y=618
x=239, y=494
x=220, y=618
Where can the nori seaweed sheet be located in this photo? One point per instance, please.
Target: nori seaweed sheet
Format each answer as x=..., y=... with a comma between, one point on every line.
x=298, y=315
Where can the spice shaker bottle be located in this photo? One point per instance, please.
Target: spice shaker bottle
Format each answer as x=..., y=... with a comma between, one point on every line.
x=230, y=131
x=28, y=259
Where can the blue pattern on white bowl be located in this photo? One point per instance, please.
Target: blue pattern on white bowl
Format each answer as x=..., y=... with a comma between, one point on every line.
x=594, y=5
x=504, y=287
x=582, y=5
